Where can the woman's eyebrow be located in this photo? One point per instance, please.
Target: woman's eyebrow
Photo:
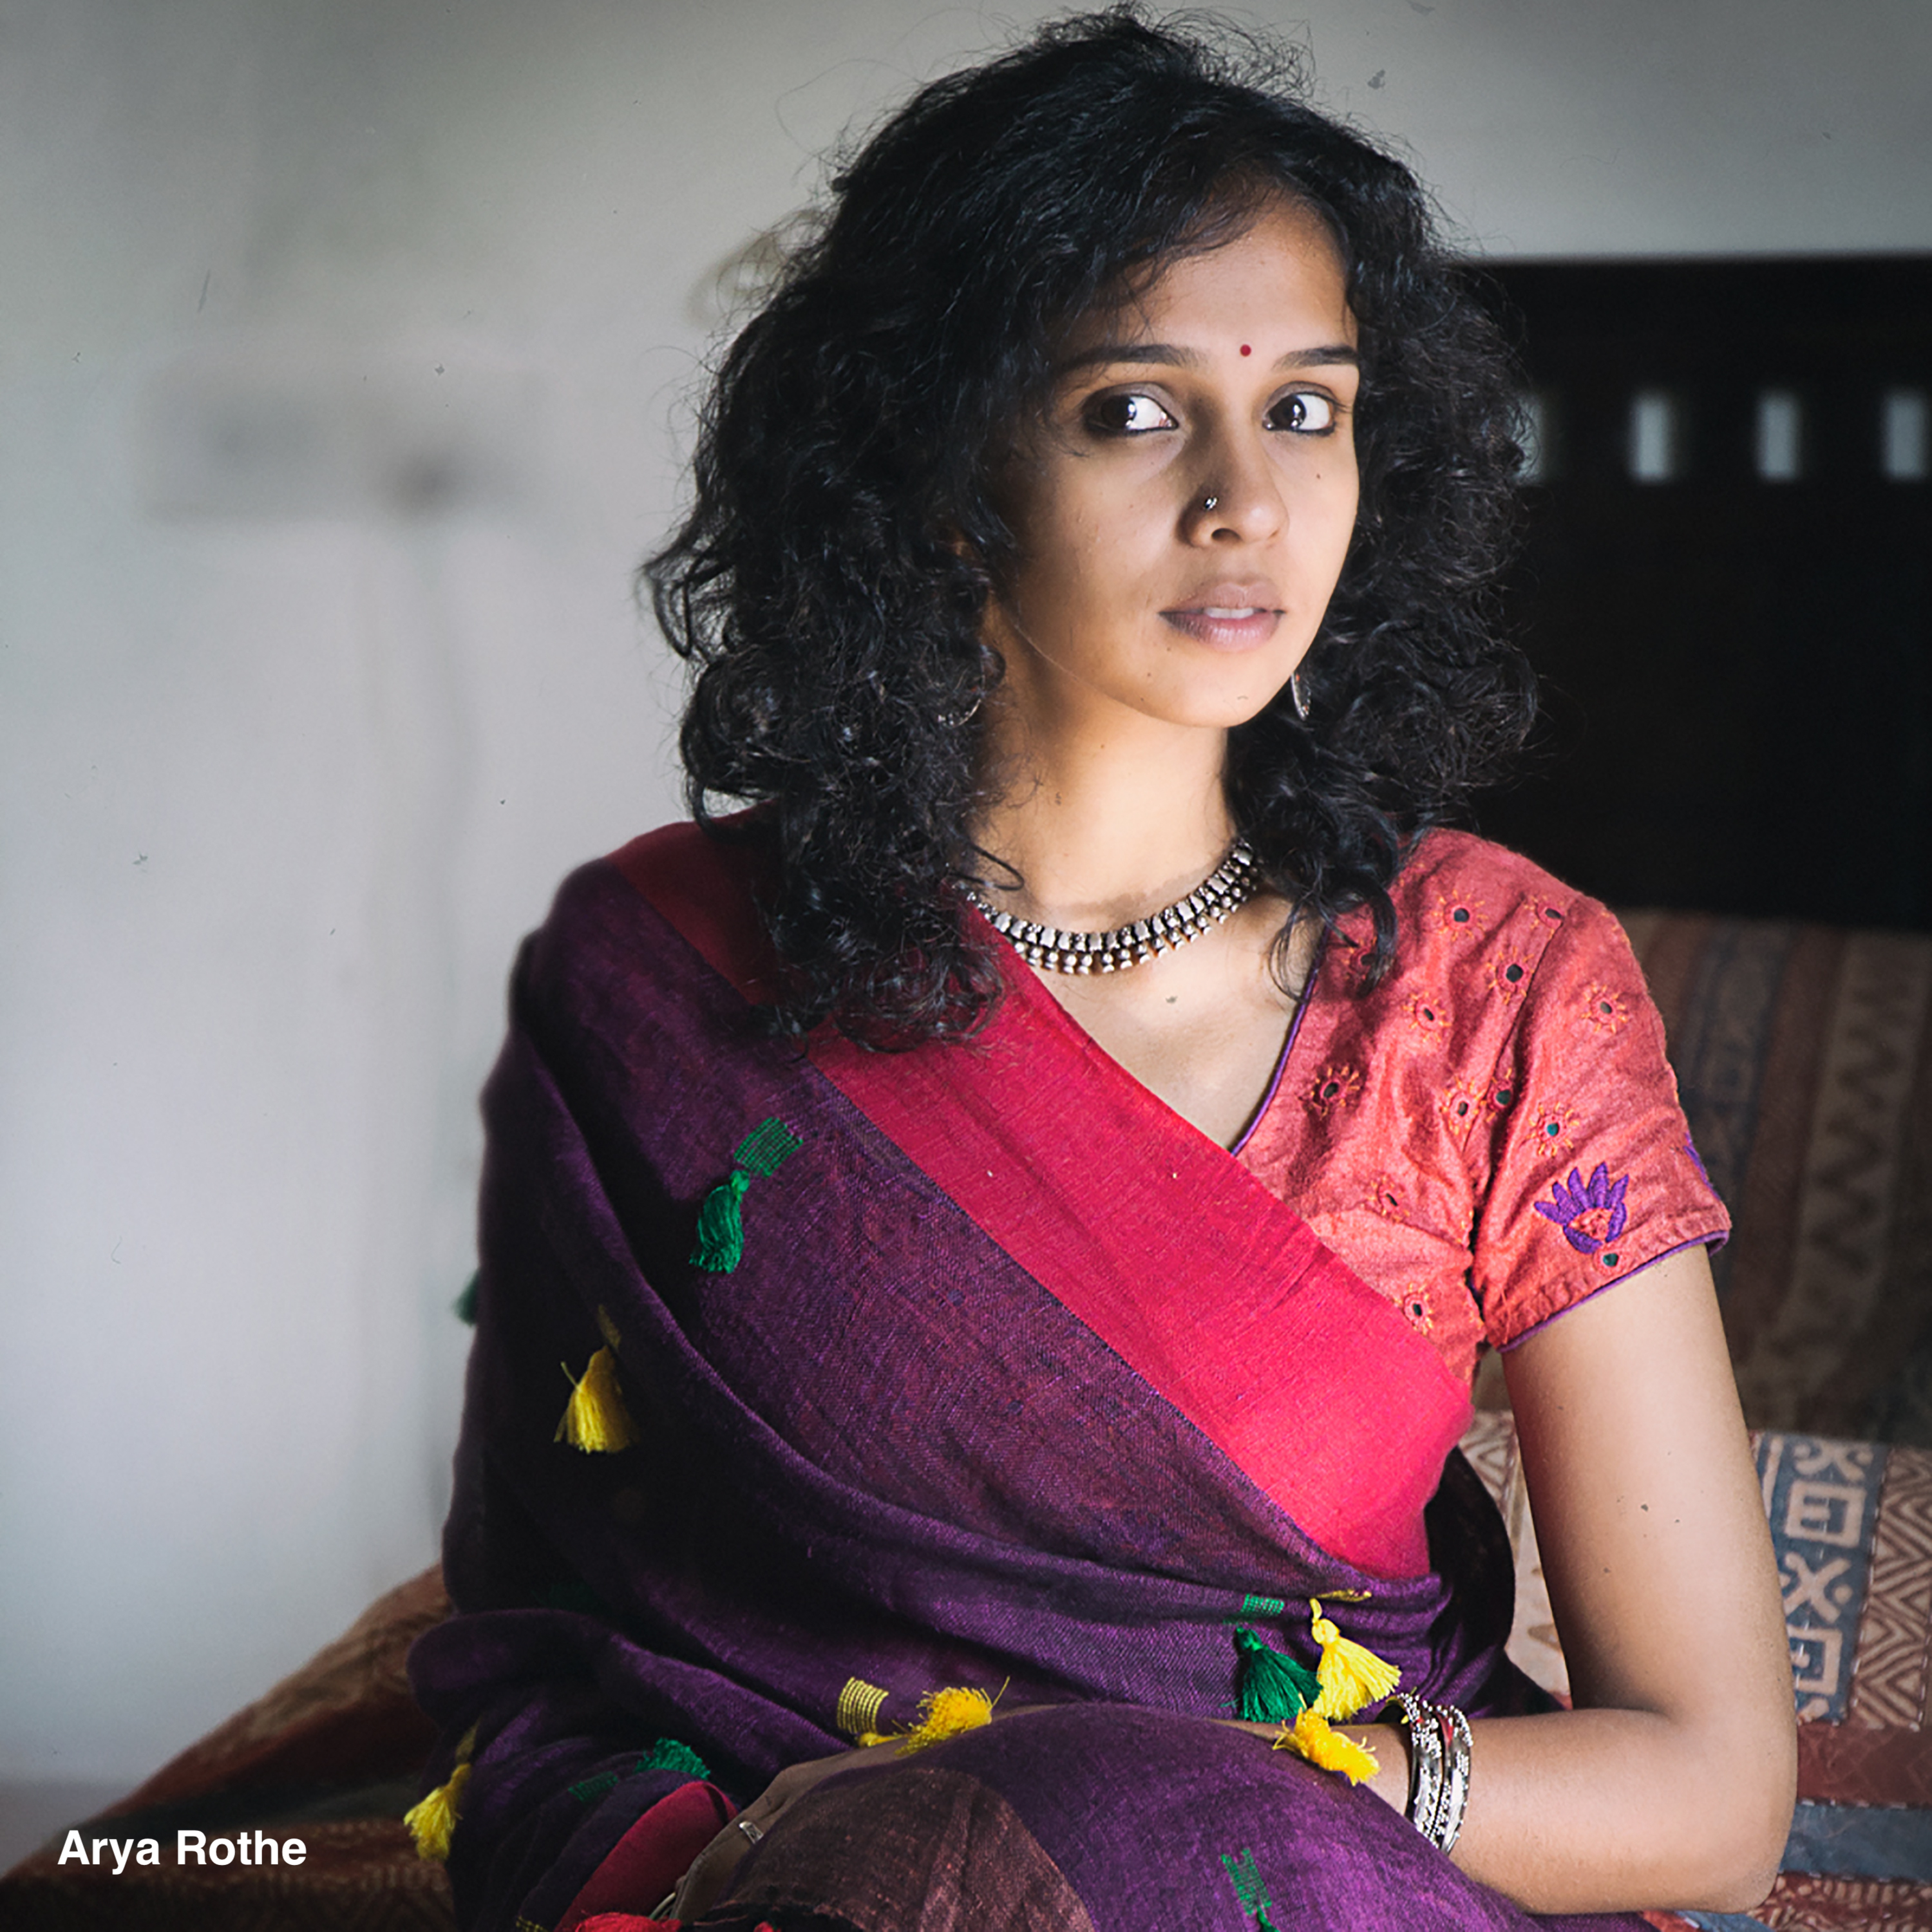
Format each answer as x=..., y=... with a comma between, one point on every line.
x=1328, y=356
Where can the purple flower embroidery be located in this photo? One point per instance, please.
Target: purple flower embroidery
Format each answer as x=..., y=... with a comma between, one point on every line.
x=1589, y=1215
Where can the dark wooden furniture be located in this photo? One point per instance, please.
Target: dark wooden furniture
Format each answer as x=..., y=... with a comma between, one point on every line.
x=1727, y=583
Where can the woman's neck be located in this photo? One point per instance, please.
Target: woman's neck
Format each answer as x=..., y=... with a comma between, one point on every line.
x=1103, y=829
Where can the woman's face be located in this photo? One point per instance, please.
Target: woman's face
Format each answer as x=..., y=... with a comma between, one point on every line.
x=1183, y=512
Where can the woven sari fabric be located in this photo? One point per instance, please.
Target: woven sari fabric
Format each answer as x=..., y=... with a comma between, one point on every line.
x=1019, y=1383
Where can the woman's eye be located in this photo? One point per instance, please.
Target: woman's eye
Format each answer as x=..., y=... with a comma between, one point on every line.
x=1127, y=415
x=1306, y=412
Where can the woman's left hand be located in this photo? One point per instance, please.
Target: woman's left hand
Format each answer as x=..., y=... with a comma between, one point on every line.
x=711, y=1872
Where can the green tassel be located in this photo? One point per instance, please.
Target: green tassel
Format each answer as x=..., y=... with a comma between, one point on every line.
x=1274, y=1689
x=1249, y=1888
x=721, y=1221
x=1252, y=1605
x=767, y=1148
x=464, y=1306
x=721, y=1225
x=667, y=1754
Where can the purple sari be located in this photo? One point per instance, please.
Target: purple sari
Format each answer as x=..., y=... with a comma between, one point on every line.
x=1019, y=1383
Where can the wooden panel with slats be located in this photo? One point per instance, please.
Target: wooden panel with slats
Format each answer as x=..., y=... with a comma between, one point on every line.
x=1727, y=583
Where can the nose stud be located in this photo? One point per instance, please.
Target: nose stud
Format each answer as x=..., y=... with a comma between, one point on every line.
x=1208, y=503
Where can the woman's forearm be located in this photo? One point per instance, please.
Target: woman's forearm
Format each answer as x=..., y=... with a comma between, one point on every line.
x=1591, y=1810
x=1607, y=1811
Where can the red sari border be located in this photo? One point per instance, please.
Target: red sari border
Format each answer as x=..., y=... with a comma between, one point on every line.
x=1310, y=1382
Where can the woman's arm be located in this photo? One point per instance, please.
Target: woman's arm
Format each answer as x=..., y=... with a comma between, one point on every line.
x=1672, y=1782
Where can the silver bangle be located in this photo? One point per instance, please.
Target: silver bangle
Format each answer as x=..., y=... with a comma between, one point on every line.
x=1425, y=1762
x=1460, y=1744
x=1440, y=1744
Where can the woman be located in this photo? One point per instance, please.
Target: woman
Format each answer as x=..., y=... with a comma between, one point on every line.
x=1019, y=1207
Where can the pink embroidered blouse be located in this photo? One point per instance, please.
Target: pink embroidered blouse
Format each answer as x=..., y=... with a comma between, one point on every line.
x=1493, y=1133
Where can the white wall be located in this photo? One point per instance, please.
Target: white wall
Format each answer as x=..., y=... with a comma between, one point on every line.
x=307, y=699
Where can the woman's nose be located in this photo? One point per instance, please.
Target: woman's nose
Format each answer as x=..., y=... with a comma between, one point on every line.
x=1236, y=498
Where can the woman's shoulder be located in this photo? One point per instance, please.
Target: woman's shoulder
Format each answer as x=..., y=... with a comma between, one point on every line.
x=1463, y=869
x=1463, y=899
x=699, y=884
x=1486, y=929
x=685, y=863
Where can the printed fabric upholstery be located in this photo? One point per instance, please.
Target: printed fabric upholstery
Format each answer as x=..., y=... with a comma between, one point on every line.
x=1851, y=1523
x=1804, y=1058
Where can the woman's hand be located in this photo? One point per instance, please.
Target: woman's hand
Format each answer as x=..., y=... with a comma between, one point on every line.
x=713, y=1868
x=712, y=1871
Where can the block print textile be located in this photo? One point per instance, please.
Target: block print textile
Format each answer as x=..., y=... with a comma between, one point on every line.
x=1803, y=1055
x=1851, y=1525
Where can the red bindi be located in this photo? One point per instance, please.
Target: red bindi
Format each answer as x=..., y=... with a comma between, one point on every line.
x=1246, y=349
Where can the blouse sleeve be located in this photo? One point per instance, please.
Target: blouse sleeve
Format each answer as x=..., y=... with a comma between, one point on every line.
x=1593, y=1174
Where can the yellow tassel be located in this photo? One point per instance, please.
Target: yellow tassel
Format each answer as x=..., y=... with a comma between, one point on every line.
x=1350, y=1675
x=1309, y=1737
x=595, y=1419
x=857, y=1712
x=432, y=1819
x=945, y=1714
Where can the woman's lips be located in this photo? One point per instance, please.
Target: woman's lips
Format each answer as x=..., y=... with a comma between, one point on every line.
x=1226, y=627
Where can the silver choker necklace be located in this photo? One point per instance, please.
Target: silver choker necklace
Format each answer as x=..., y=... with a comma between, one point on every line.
x=1232, y=882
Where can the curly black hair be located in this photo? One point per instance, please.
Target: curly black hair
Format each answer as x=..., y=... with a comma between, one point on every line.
x=830, y=581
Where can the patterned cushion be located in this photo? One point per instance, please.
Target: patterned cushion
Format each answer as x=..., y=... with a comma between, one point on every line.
x=1851, y=1525
x=1803, y=1055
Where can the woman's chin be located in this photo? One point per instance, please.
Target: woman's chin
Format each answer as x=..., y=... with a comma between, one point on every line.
x=1192, y=711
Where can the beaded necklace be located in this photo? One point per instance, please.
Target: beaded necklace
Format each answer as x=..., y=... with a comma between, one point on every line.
x=1231, y=884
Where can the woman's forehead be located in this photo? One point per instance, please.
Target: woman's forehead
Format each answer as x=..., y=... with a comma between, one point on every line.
x=1276, y=252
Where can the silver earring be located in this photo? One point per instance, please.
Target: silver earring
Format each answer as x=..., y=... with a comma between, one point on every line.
x=1300, y=696
x=1208, y=503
